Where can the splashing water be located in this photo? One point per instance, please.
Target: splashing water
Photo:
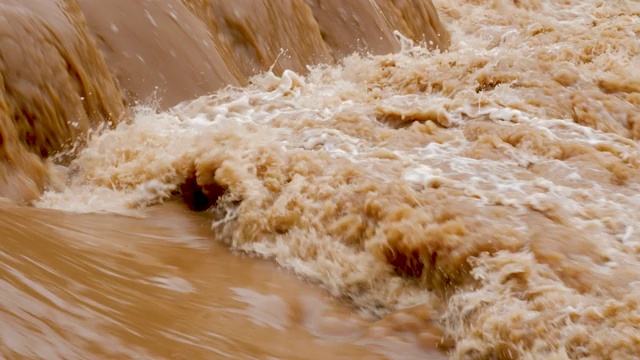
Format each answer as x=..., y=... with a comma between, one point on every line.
x=496, y=183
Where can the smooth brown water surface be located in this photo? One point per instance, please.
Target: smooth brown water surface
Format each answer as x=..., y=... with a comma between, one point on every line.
x=159, y=50
x=108, y=286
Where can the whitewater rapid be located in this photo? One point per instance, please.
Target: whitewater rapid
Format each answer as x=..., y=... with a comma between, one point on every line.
x=495, y=184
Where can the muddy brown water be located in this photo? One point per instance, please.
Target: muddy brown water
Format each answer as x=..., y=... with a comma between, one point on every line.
x=208, y=179
x=157, y=284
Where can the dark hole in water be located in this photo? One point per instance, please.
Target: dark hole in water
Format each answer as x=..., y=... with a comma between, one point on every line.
x=200, y=201
x=200, y=198
x=407, y=265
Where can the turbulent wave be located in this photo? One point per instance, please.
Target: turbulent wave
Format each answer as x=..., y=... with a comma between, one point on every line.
x=69, y=66
x=495, y=183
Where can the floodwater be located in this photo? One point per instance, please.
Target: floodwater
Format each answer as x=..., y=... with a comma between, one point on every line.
x=215, y=179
